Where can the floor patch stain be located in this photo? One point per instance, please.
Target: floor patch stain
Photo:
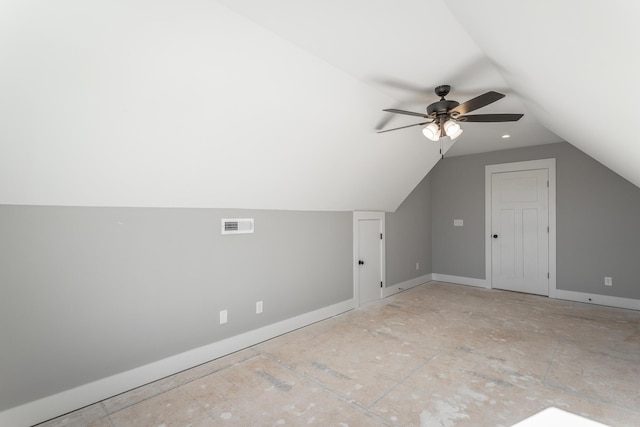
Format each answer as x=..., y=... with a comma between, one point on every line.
x=497, y=381
x=446, y=415
x=466, y=391
x=324, y=368
x=280, y=385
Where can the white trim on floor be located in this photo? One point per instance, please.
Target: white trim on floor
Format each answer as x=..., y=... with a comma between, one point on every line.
x=407, y=284
x=617, y=302
x=609, y=301
x=469, y=281
x=70, y=400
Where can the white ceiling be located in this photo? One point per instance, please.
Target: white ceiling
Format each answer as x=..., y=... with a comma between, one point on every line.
x=275, y=105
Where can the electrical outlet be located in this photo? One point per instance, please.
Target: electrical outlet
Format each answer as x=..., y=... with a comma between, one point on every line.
x=223, y=317
x=608, y=281
x=258, y=307
x=458, y=222
x=417, y=266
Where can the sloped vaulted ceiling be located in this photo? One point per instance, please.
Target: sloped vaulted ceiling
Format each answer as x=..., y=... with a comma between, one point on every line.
x=274, y=105
x=186, y=104
x=577, y=65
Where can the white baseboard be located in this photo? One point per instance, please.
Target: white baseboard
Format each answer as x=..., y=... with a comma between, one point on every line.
x=618, y=302
x=407, y=284
x=69, y=400
x=469, y=281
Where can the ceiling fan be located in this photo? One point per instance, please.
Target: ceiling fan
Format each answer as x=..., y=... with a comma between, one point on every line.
x=445, y=115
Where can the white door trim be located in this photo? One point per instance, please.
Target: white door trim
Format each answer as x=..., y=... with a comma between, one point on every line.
x=550, y=165
x=365, y=215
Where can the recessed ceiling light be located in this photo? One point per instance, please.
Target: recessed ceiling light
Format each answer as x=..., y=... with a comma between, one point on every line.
x=505, y=136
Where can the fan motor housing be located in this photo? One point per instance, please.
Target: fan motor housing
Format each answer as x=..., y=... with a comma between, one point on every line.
x=442, y=106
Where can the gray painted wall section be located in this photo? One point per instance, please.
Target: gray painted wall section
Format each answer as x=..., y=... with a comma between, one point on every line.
x=598, y=231
x=409, y=236
x=92, y=292
x=458, y=193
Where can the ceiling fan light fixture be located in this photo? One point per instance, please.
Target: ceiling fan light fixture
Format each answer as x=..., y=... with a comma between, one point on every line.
x=445, y=114
x=452, y=129
x=457, y=134
x=432, y=131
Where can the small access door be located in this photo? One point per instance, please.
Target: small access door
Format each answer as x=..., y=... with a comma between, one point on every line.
x=368, y=256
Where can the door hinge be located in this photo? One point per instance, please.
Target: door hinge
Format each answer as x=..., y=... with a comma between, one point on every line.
x=547, y=229
x=548, y=277
x=380, y=284
x=547, y=184
x=380, y=236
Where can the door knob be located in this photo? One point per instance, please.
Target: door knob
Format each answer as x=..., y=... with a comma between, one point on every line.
x=495, y=236
x=360, y=262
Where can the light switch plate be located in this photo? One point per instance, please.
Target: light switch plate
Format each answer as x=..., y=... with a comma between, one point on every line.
x=223, y=317
x=458, y=222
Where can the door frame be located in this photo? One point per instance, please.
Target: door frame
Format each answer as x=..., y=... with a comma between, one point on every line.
x=550, y=165
x=358, y=216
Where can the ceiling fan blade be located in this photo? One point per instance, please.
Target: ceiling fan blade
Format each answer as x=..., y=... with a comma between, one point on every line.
x=477, y=102
x=409, y=113
x=402, y=127
x=480, y=118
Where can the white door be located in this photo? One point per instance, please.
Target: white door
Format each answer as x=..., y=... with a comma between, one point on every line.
x=368, y=257
x=520, y=231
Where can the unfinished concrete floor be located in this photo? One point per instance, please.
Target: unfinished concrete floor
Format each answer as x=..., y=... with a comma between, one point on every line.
x=435, y=355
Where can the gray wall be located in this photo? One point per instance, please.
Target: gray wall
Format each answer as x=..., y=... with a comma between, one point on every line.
x=597, y=212
x=92, y=292
x=458, y=193
x=409, y=236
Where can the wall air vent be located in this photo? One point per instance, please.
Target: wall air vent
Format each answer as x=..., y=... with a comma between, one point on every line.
x=237, y=225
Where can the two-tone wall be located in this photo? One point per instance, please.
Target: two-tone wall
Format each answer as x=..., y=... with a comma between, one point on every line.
x=95, y=301
x=408, y=244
